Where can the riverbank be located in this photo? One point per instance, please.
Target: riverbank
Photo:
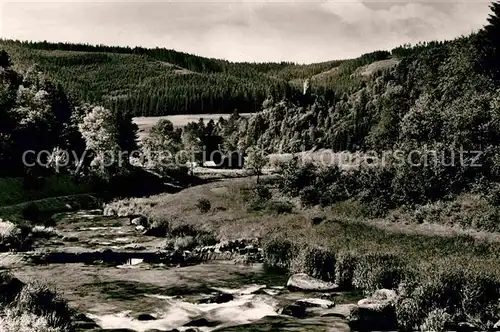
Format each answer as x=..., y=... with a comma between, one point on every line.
x=354, y=252
x=158, y=255
x=116, y=276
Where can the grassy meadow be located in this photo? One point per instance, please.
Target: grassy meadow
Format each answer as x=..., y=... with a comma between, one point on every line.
x=145, y=123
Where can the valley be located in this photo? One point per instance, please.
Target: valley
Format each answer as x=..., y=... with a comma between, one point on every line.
x=365, y=197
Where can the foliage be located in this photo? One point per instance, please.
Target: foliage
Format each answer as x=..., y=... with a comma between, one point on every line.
x=32, y=307
x=9, y=235
x=279, y=251
x=344, y=269
x=161, y=147
x=204, y=205
x=43, y=131
x=101, y=139
x=159, y=81
x=317, y=262
x=438, y=320
x=279, y=207
x=185, y=243
x=375, y=271
x=255, y=162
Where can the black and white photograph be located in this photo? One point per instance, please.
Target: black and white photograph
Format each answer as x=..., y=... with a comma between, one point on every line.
x=249, y=165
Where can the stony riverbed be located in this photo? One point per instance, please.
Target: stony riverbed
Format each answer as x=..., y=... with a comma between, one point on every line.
x=118, y=279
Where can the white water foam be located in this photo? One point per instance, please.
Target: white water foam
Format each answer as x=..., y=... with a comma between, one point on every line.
x=244, y=309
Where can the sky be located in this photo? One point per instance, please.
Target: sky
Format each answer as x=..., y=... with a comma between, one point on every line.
x=304, y=31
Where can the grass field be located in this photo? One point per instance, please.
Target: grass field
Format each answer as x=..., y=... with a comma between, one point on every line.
x=232, y=216
x=145, y=123
x=15, y=190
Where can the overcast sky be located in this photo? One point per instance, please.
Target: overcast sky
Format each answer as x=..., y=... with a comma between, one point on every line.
x=305, y=31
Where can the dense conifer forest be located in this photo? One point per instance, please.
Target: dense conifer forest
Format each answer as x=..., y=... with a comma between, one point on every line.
x=149, y=82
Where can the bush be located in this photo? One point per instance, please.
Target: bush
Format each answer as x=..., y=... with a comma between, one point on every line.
x=440, y=290
x=479, y=301
x=493, y=195
x=428, y=292
x=14, y=237
x=257, y=197
x=317, y=262
x=9, y=288
x=256, y=205
x=375, y=271
x=8, y=234
x=467, y=211
x=206, y=239
x=279, y=252
x=381, y=188
x=375, y=189
x=160, y=223
x=295, y=176
x=439, y=300
x=312, y=184
x=15, y=321
x=40, y=300
x=187, y=237
x=344, y=269
x=185, y=243
x=408, y=314
x=309, y=196
x=438, y=320
x=204, y=205
x=32, y=213
x=262, y=192
x=183, y=230
x=279, y=207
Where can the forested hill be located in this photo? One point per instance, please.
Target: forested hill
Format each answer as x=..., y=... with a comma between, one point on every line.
x=440, y=95
x=159, y=81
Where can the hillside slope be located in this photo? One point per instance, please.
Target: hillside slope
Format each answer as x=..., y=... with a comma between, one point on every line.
x=152, y=82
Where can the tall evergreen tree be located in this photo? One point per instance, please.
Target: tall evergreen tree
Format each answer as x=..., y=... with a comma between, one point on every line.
x=489, y=42
x=493, y=28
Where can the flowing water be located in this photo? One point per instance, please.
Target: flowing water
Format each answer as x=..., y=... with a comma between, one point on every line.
x=255, y=299
x=135, y=294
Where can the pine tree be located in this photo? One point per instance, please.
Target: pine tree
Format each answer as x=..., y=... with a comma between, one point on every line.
x=4, y=59
x=490, y=43
x=493, y=28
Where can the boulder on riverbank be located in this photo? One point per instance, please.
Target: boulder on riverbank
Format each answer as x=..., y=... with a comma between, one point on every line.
x=377, y=312
x=380, y=300
x=139, y=221
x=306, y=283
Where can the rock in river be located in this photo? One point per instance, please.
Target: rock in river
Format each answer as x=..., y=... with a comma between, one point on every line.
x=294, y=310
x=303, y=282
x=145, y=317
x=318, y=303
x=217, y=298
x=140, y=221
x=377, y=312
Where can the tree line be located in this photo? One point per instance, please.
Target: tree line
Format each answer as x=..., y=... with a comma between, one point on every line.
x=40, y=125
x=152, y=82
